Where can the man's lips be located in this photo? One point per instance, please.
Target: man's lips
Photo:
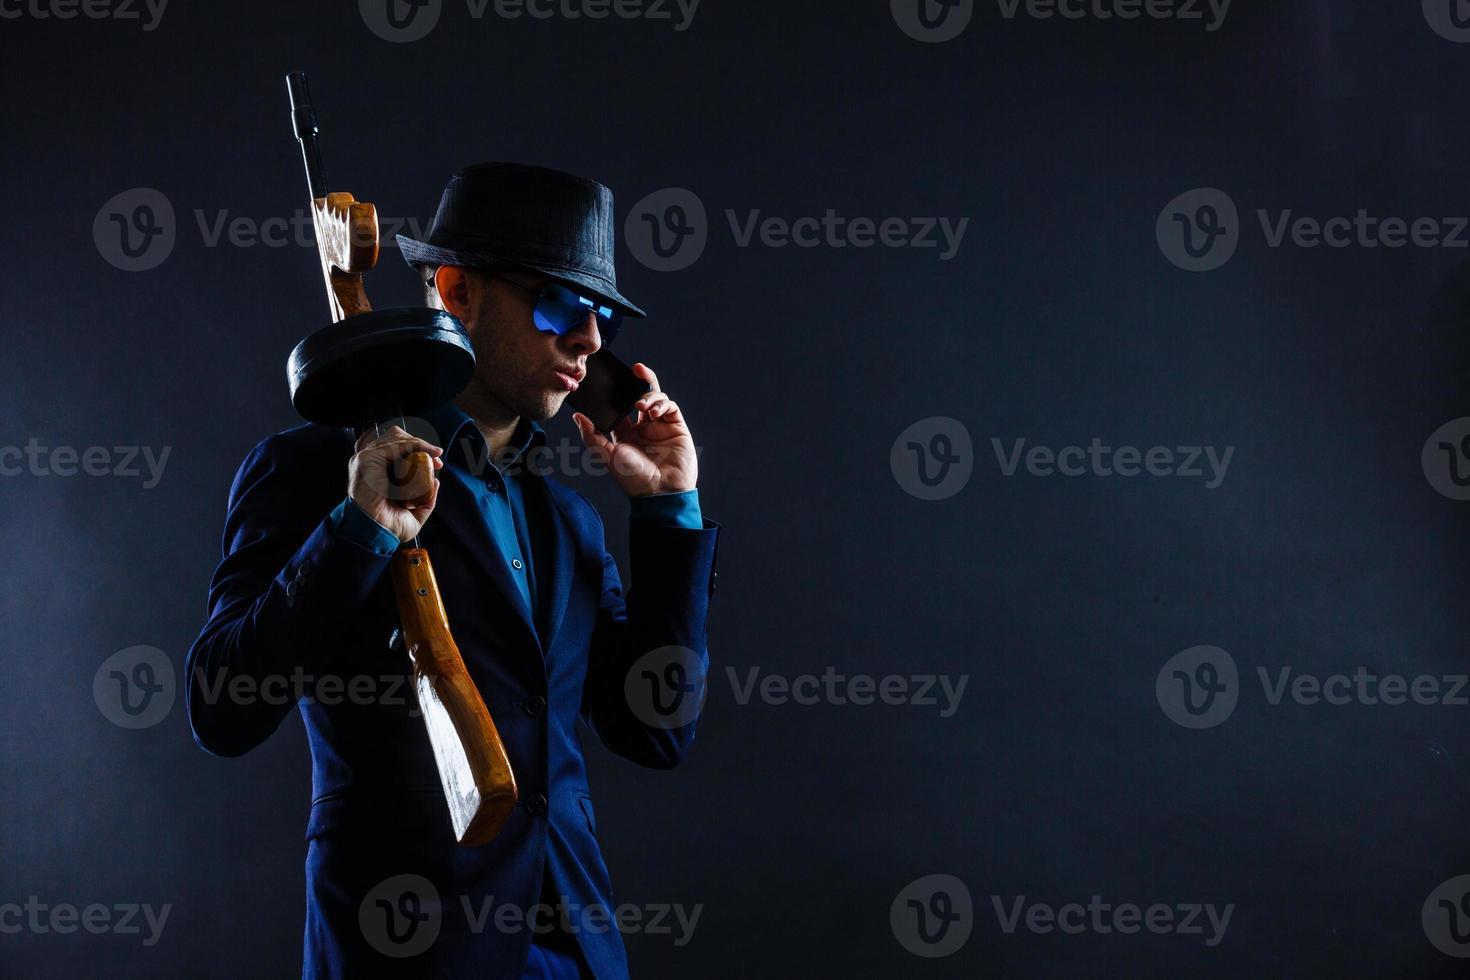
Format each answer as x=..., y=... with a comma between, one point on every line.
x=570, y=379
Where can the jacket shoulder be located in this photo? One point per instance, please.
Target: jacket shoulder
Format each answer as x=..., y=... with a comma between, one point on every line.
x=305, y=456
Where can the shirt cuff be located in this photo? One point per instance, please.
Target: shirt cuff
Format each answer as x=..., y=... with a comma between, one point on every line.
x=670, y=509
x=349, y=521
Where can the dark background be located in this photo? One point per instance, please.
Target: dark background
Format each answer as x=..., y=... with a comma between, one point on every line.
x=1325, y=549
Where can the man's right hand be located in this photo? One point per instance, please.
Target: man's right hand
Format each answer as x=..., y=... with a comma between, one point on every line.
x=375, y=481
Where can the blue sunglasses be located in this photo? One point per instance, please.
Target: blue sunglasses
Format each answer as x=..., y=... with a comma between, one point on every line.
x=560, y=311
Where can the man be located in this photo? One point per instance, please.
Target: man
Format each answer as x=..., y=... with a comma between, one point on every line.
x=523, y=256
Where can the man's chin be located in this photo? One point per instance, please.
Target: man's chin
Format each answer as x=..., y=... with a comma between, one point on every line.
x=547, y=405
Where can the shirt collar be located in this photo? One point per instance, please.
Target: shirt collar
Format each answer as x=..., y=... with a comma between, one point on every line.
x=465, y=447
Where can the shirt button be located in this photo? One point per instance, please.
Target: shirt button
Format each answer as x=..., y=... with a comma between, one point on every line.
x=515, y=563
x=536, y=805
x=535, y=705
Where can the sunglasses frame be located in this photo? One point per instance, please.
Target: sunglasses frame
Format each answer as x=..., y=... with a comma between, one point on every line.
x=609, y=320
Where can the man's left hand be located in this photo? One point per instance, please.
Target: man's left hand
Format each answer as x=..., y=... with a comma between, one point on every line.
x=651, y=451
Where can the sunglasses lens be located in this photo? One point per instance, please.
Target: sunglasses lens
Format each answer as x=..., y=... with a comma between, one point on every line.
x=559, y=311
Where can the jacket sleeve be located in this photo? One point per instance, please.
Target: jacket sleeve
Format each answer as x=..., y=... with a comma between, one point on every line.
x=654, y=633
x=286, y=584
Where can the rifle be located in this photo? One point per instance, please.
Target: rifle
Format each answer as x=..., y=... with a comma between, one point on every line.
x=360, y=371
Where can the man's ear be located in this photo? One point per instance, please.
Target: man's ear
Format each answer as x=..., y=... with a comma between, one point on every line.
x=453, y=284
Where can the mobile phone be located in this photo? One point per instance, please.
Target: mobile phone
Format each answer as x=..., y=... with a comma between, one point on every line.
x=607, y=393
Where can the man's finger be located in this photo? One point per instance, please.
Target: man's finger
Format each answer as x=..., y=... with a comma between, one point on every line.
x=646, y=373
x=593, y=439
x=407, y=445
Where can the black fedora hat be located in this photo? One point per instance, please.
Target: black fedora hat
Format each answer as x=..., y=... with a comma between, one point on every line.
x=512, y=214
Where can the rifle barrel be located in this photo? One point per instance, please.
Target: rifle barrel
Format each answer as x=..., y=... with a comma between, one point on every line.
x=303, y=123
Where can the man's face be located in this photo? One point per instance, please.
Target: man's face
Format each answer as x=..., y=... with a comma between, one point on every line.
x=527, y=371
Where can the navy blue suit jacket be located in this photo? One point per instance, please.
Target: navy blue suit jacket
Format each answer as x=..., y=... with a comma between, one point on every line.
x=295, y=607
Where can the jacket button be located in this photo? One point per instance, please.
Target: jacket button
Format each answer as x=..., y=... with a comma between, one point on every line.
x=535, y=705
x=536, y=805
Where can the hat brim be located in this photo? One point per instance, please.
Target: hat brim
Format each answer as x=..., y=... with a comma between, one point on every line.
x=417, y=253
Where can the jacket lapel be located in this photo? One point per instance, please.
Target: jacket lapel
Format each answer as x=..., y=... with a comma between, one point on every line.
x=555, y=558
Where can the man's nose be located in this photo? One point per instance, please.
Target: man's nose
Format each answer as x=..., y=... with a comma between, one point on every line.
x=585, y=339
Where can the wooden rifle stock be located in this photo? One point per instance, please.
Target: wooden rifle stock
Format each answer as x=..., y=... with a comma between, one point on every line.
x=473, y=766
